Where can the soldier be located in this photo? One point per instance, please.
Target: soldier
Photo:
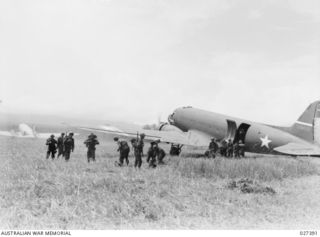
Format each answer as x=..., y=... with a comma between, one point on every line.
x=241, y=148
x=152, y=154
x=124, y=150
x=138, y=150
x=141, y=142
x=230, y=148
x=175, y=149
x=213, y=148
x=91, y=143
x=68, y=146
x=161, y=154
x=223, y=148
x=52, y=146
x=60, y=145
x=236, y=150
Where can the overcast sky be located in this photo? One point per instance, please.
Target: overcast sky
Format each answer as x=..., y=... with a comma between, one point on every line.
x=137, y=59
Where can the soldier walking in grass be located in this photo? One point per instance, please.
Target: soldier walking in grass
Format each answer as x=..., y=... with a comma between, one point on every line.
x=160, y=154
x=138, y=152
x=152, y=155
x=60, y=145
x=223, y=148
x=91, y=143
x=68, y=146
x=52, y=146
x=230, y=148
x=124, y=150
x=236, y=150
x=213, y=148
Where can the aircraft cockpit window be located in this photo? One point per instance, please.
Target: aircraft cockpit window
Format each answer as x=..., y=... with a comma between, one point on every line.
x=187, y=107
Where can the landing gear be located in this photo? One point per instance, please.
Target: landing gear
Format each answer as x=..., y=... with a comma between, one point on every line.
x=175, y=149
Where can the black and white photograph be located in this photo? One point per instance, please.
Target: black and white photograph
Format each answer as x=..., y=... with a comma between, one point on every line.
x=159, y=115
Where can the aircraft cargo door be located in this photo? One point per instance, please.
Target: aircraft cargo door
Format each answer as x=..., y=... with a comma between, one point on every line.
x=242, y=132
x=232, y=130
x=316, y=125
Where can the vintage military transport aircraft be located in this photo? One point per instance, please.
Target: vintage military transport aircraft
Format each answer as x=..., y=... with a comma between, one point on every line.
x=195, y=127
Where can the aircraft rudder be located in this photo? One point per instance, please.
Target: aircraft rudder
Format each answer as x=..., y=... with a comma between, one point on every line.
x=305, y=127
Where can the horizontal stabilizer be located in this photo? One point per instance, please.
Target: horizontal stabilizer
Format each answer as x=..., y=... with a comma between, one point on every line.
x=299, y=149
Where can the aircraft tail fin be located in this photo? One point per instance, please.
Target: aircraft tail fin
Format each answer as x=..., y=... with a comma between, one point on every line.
x=307, y=126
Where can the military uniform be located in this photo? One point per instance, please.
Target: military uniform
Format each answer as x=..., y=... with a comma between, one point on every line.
x=138, y=151
x=223, y=148
x=161, y=154
x=152, y=155
x=91, y=143
x=236, y=150
x=60, y=145
x=213, y=148
x=124, y=150
x=52, y=147
x=175, y=149
x=68, y=146
x=230, y=149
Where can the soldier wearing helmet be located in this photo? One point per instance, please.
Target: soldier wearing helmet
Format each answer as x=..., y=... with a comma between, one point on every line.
x=60, y=145
x=91, y=143
x=137, y=147
x=52, y=147
x=68, y=146
x=152, y=155
x=124, y=150
x=213, y=148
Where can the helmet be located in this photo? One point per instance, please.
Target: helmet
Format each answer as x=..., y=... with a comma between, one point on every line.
x=133, y=140
x=52, y=136
x=91, y=135
x=62, y=134
x=142, y=135
x=71, y=133
x=116, y=139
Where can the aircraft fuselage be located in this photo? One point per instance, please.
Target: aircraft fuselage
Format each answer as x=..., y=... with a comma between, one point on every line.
x=258, y=138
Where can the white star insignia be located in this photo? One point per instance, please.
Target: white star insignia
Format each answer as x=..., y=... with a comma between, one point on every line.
x=265, y=141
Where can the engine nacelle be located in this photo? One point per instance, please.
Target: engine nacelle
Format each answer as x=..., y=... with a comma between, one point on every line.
x=169, y=128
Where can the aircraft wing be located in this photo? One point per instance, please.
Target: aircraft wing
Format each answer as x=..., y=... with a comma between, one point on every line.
x=46, y=135
x=191, y=138
x=299, y=149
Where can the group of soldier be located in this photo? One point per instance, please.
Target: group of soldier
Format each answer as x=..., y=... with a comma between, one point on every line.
x=155, y=154
x=64, y=144
x=227, y=148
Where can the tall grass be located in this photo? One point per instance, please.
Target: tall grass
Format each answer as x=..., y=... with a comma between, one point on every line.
x=36, y=193
x=264, y=169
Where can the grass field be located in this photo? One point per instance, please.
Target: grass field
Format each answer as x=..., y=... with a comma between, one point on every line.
x=186, y=193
